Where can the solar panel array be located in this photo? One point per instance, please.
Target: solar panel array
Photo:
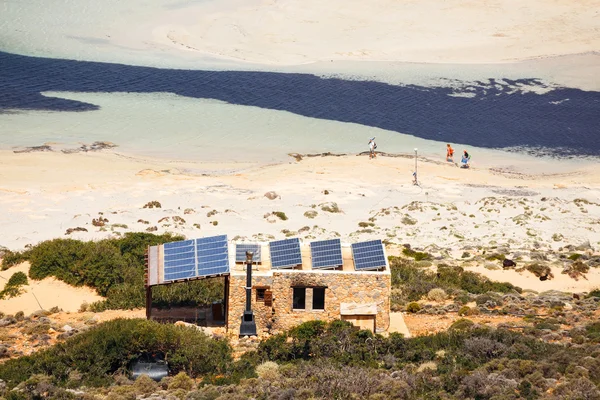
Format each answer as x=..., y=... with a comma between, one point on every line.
x=368, y=255
x=285, y=253
x=196, y=257
x=242, y=248
x=326, y=253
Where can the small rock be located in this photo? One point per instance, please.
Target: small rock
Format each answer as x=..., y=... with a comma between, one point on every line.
x=506, y=263
x=7, y=321
x=584, y=246
x=272, y=195
x=67, y=328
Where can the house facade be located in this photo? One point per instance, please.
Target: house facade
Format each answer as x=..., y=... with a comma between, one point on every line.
x=282, y=298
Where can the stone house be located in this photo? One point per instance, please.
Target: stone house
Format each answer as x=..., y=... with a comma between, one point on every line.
x=282, y=298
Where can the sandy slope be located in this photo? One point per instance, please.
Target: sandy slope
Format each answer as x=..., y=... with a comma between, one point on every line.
x=44, y=294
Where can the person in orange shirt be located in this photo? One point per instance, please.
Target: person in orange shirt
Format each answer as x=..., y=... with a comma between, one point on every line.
x=449, y=153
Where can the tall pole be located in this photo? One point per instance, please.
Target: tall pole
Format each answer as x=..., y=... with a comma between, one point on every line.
x=416, y=181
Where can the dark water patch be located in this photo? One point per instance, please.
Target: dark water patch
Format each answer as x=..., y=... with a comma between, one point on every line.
x=494, y=115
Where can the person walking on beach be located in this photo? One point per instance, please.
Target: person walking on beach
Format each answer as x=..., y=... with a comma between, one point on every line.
x=372, y=147
x=449, y=153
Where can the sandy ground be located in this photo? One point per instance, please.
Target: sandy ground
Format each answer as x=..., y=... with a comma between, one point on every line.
x=398, y=325
x=44, y=294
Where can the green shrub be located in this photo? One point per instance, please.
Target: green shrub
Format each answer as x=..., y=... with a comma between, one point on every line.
x=281, y=215
x=310, y=214
x=110, y=347
x=145, y=385
x=461, y=324
x=152, y=204
x=496, y=256
x=413, y=307
x=593, y=332
x=417, y=255
x=13, y=286
x=594, y=293
x=412, y=283
x=330, y=207
x=17, y=279
x=547, y=325
x=181, y=381
x=574, y=256
x=464, y=311
x=538, y=270
x=11, y=258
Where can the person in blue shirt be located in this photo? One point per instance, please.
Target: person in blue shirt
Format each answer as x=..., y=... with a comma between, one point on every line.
x=466, y=158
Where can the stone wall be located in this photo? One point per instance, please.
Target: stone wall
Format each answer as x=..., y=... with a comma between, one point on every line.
x=341, y=287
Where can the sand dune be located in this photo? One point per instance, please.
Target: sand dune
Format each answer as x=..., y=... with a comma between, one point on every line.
x=44, y=294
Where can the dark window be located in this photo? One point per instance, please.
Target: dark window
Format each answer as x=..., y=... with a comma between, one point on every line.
x=299, y=299
x=318, y=298
x=260, y=294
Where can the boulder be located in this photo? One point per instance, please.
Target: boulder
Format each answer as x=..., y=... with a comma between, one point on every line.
x=507, y=263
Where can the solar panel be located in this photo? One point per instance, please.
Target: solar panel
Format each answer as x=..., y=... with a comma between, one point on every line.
x=285, y=253
x=368, y=255
x=242, y=248
x=212, y=254
x=179, y=260
x=196, y=257
x=326, y=253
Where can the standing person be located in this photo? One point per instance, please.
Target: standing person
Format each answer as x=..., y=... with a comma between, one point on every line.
x=449, y=153
x=372, y=147
x=465, y=159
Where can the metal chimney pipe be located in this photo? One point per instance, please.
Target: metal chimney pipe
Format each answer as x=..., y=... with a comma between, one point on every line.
x=249, y=256
x=248, y=325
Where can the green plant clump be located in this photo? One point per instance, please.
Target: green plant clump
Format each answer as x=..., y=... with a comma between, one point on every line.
x=413, y=307
x=110, y=347
x=316, y=360
x=13, y=286
x=417, y=255
x=281, y=215
x=415, y=282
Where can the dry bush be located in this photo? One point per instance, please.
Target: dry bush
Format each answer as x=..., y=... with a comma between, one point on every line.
x=268, y=370
x=181, y=381
x=437, y=294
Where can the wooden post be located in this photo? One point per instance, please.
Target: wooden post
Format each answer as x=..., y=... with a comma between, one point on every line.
x=226, y=302
x=148, y=302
